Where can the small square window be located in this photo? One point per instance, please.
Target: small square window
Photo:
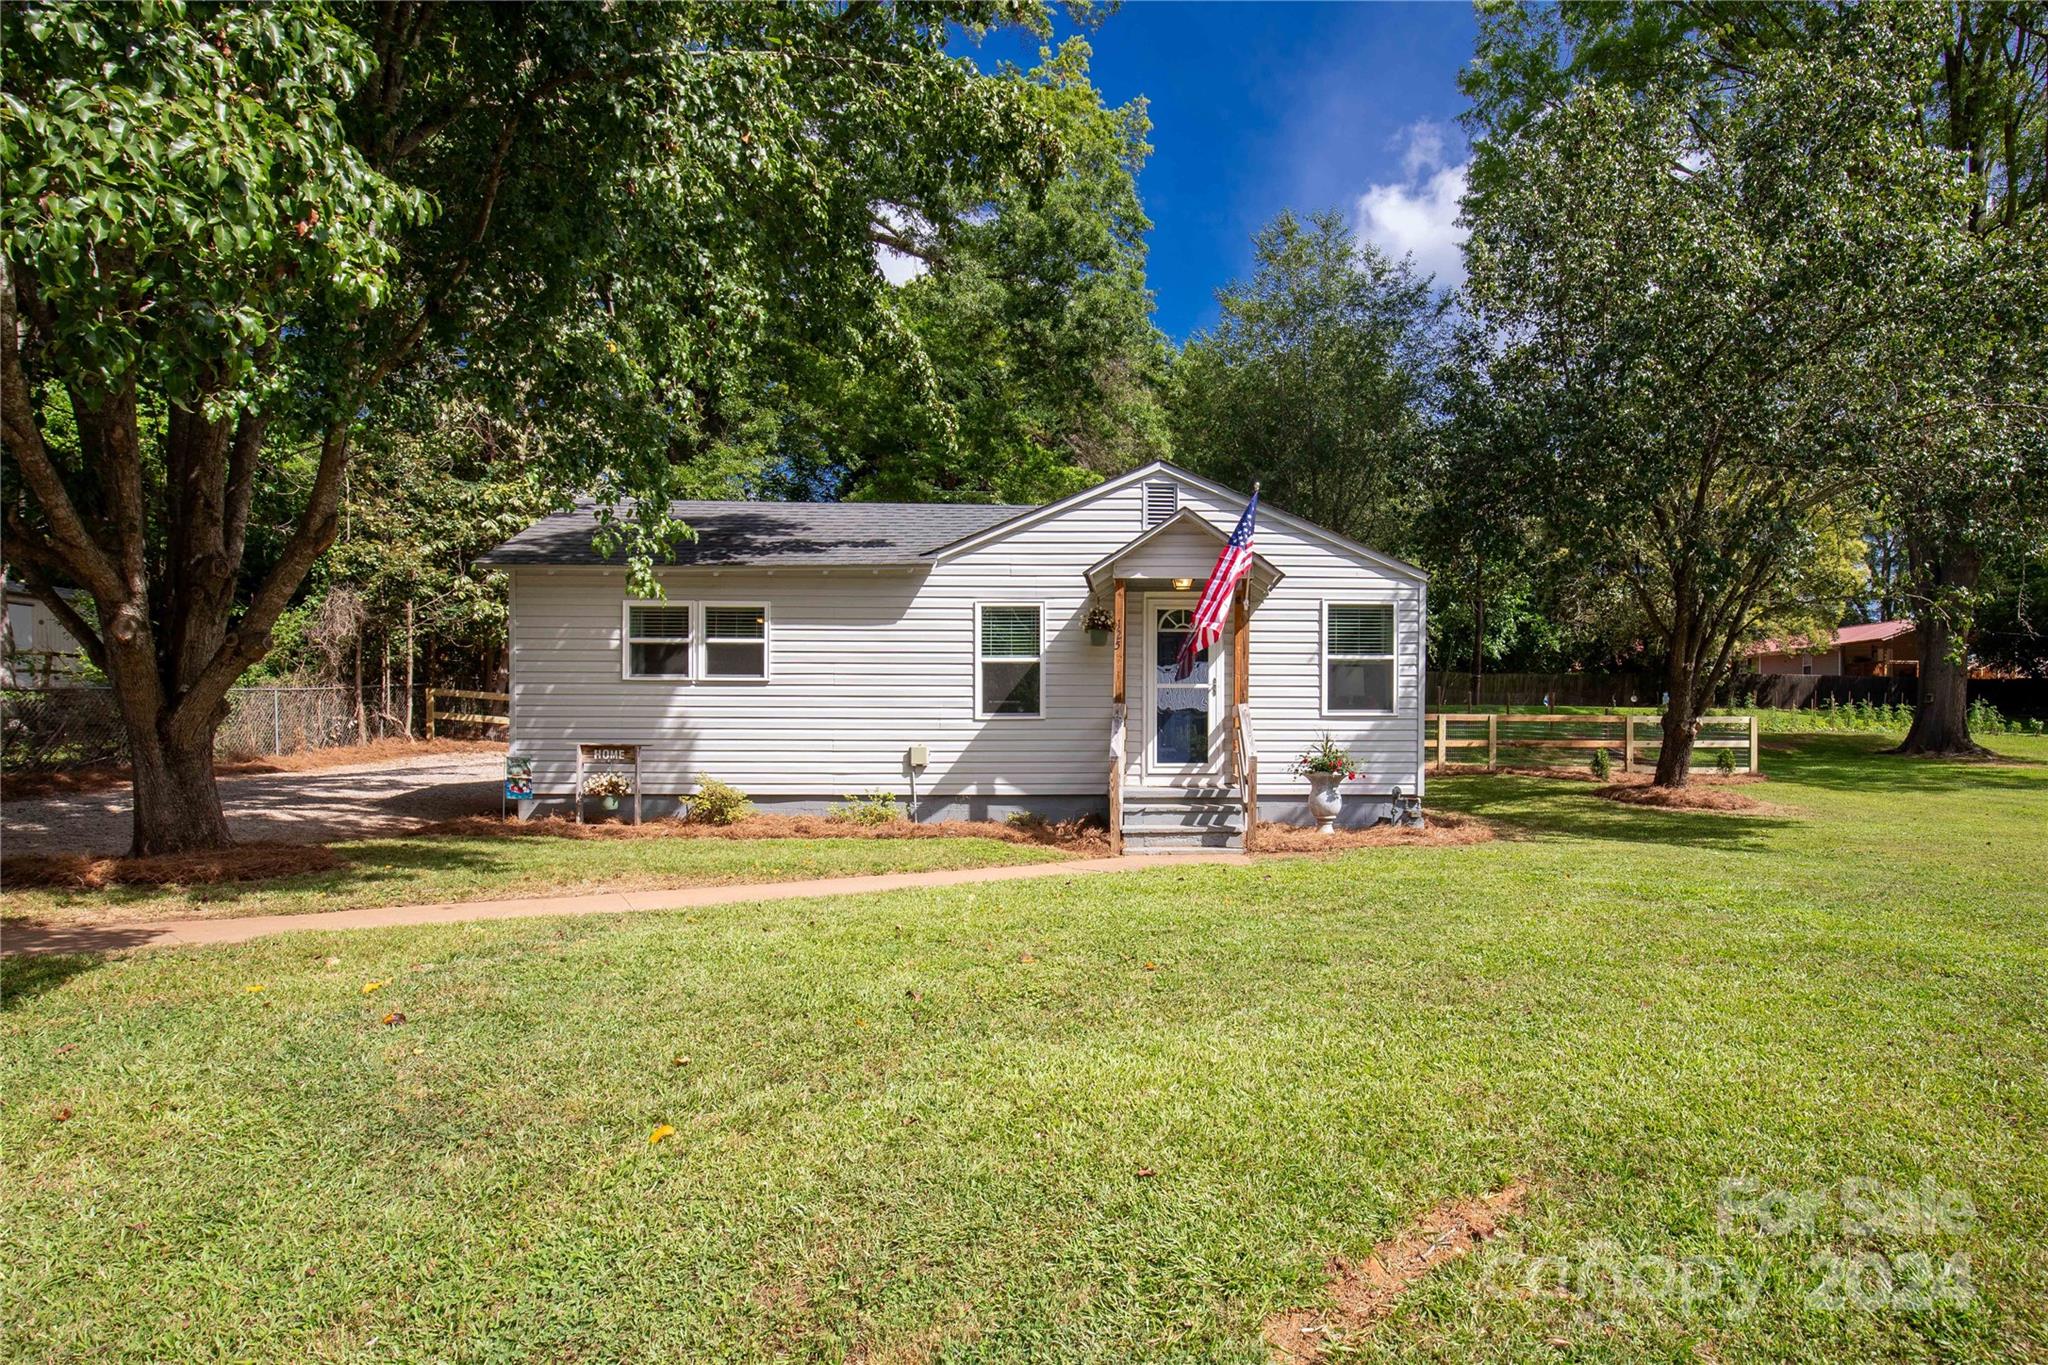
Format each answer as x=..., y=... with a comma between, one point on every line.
x=735, y=642
x=657, y=638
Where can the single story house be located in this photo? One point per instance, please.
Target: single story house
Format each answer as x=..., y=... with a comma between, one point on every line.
x=1880, y=649
x=804, y=652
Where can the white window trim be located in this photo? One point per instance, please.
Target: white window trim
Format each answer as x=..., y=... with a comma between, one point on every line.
x=627, y=640
x=703, y=644
x=1323, y=652
x=1044, y=672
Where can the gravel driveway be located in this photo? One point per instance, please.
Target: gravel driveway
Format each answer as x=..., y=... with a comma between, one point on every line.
x=309, y=807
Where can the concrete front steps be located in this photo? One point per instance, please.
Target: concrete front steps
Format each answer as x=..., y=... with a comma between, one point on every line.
x=1182, y=820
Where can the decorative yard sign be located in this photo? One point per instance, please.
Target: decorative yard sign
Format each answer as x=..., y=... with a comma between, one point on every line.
x=610, y=758
x=518, y=782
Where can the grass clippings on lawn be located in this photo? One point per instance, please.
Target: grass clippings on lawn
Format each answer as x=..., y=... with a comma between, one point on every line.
x=1361, y=1295
x=1083, y=838
x=1441, y=829
x=15, y=786
x=242, y=863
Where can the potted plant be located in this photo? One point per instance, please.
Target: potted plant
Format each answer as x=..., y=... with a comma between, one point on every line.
x=1325, y=765
x=610, y=786
x=1100, y=624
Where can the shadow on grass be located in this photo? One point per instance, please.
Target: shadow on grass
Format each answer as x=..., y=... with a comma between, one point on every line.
x=1856, y=762
x=367, y=866
x=23, y=977
x=1560, y=808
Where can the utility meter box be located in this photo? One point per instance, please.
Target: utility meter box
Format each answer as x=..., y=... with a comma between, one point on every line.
x=920, y=755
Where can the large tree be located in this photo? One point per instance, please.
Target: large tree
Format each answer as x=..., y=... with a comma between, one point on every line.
x=1960, y=467
x=228, y=229
x=1697, y=290
x=1031, y=314
x=1317, y=380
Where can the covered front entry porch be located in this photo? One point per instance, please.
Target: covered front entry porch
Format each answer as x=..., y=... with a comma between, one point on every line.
x=1183, y=767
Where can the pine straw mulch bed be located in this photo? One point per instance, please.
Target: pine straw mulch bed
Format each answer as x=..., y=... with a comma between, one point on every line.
x=1442, y=829
x=1083, y=838
x=97, y=777
x=242, y=863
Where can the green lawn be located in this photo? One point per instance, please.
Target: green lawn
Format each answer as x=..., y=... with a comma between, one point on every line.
x=421, y=871
x=912, y=1126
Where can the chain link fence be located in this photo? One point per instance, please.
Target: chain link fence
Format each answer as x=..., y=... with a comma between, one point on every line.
x=67, y=727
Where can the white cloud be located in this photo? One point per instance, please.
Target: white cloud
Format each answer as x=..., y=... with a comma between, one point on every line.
x=1419, y=216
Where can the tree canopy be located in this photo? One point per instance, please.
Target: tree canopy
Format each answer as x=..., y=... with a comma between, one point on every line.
x=228, y=230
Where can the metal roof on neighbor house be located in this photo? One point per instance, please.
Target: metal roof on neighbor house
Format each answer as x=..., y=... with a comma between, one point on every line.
x=770, y=534
x=1846, y=635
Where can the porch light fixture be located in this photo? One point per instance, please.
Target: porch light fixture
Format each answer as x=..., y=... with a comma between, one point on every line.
x=1183, y=584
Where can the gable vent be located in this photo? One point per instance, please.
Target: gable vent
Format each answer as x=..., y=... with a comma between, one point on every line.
x=1162, y=500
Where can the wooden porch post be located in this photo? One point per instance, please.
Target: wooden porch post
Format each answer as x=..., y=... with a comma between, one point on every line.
x=1116, y=724
x=1240, y=697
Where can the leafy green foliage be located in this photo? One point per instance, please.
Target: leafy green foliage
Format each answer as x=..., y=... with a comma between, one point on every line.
x=1032, y=322
x=1316, y=381
x=1700, y=294
x=877, y=807
x=718, y=803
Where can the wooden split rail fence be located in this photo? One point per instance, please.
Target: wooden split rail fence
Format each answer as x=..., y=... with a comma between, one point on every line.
x=1631, y=735
x=435, y=714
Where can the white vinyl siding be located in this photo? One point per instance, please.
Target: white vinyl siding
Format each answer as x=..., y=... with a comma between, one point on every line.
x=735, y=641
x=865, y=664
x=1010, y=659
x=1358, y=658
x=655, y=640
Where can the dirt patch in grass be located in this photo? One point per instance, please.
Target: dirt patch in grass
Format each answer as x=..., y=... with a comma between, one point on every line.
x=105, y=776
x=1696, y=797
x=1361, y=1295
x=1444, y=829
x=1084, y=838
x=242, y=863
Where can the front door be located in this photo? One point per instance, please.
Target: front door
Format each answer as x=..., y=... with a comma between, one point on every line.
x=1184, y=714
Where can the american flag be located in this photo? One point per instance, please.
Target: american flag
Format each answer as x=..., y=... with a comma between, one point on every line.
x=1215, y=604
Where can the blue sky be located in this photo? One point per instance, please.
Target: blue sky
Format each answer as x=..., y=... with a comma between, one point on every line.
x=1262, y=107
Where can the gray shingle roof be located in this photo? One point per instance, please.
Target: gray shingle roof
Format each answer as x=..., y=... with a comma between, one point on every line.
x=771, y=534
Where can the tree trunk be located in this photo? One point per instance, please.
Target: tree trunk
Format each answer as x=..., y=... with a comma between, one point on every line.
x=1941, y=718
x=177, y=805
x=1680, y=726
x=362, y=711
x=1478, y=634
x=409, y=650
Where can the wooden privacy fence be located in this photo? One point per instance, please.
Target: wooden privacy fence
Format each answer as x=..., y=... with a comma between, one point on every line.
x=435, y=714
x=1489, y=732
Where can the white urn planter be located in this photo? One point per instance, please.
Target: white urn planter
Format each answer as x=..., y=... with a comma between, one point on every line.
x=1325, y=800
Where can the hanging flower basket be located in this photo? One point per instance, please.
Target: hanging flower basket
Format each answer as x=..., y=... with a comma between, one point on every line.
x=1100, y=623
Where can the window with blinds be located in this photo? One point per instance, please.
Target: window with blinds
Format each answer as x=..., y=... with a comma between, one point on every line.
x=1162, y=500
x=657, y=640
x=1010, y=662
x=735, y=642
x=1358, y=657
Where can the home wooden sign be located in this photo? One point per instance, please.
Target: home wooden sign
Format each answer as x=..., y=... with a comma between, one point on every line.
x=609, y=757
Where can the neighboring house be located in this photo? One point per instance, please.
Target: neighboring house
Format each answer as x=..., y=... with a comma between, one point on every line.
x=39, y=651
x=807, y=651
x=1881, y=649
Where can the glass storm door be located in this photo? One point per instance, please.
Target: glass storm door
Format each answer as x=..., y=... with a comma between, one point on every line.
x=1183, y=709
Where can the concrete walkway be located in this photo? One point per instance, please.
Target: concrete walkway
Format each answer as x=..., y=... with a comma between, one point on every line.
x=18, y=937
